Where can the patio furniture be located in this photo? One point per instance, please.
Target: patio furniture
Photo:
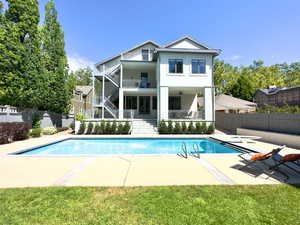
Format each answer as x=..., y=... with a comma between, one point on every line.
x=251, y=158
x=289, y=161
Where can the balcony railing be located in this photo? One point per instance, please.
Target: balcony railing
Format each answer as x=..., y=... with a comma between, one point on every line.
x=183, y=114
x=135, y=83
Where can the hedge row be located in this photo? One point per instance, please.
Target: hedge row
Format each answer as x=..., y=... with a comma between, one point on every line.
x=171, y=127
x=14, y=131
x=276, y=109
x=104, y=127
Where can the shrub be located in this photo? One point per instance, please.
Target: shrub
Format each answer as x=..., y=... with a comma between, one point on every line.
x=191, y=128
x=79, y=116
x=113, y=128
x=36, y=121
x=102, y=127
x=170, y=127
x=97, y=129
x=14, y=131
x=198, y=127
x=72, y=126
x=60, y=129
x=184, y=128
x=49, y=130
x=36, y=132
x=90, y=128
x=126, y=128
x=120, y=128
x=203, y=128
x=162, y=129
x=276, y=109
x=177, y=128
x=210, y=129
x=82, y=128
x=107, y=129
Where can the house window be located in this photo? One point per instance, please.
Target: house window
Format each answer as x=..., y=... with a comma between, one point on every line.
x=154, y=102
x=145, y=54
x=198, y=66
x=175, y=66
x=130, y=102
x=174, y=103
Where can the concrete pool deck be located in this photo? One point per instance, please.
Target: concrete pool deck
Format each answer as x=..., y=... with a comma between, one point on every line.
x=130, y=170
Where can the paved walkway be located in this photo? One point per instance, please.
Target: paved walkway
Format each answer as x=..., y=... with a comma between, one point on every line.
x=20, y=171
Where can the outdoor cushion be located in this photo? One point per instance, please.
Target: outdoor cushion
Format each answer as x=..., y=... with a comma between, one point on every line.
x=260, y=156
x=291, y=157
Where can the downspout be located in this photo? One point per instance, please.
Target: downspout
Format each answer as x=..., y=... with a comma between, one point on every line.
x=93, y=97
x=213, y=92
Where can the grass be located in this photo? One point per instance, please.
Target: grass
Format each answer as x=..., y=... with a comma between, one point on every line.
x=176, y=205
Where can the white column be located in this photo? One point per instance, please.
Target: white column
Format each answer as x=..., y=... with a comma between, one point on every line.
x=164, y=103
x=121, y=103
x=209, y=103
x=93, y=97
x=102, y=101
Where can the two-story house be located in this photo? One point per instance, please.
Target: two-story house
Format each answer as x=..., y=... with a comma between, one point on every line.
x=82, y=101
x=150, y=81
x=278, y=96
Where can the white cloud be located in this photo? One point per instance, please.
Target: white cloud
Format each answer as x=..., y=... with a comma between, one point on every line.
x=76, y=62
x=235, y=57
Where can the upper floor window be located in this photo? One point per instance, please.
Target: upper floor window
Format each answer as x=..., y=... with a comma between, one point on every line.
x=145, y=54
x=175, y=66
x=198, y=66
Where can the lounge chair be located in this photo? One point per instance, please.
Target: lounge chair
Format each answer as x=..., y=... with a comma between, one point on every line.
x=289, y=160
x=251, y=158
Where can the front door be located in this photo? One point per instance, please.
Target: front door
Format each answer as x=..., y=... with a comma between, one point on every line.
x=144, y=105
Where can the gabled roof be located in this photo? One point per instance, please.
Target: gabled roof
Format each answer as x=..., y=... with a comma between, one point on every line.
x=273, y=91
x=84, y=89
x=186, y=38
x=129, y=50
x=227, y=102
x=215, y=52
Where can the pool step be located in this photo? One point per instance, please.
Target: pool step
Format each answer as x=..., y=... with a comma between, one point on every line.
x=144, y=127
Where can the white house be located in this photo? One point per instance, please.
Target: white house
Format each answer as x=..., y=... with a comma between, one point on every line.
x=150, y=81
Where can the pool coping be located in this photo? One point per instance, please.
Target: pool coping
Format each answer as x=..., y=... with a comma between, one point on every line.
x=18, y=153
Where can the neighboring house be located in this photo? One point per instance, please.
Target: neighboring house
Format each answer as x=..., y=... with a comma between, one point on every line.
x=150, y=81
x=229, y=104
x=82, y=100
x=278, y=96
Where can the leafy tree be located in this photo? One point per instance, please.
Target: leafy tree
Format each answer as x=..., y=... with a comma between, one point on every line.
x=242, y=88
x=83, y=76
x=21, y=79
x=60, y=85
x=290, y=73
x=225, y=75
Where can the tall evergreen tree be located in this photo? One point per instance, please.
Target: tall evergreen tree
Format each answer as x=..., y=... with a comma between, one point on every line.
x=60, y=89
x=22, y=74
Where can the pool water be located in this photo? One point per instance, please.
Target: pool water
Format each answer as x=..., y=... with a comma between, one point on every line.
x=129, y=147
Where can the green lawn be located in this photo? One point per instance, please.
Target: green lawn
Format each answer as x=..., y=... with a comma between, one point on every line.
x=264, y=204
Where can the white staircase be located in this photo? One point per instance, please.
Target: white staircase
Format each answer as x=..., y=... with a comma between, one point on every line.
x=144, y=127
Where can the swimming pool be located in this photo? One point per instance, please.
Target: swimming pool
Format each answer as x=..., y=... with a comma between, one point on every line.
x=129, y=146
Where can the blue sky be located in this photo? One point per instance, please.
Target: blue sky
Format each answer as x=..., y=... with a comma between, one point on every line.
x=245, y=30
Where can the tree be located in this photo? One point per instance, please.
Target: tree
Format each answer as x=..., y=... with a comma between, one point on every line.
x=60, y=85
x=83, y=76
x=291, y=73
x=225, y=75
x=20, y=64
x=243, y=88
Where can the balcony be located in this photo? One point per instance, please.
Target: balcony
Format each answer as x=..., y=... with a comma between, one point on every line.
x=135, y=83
